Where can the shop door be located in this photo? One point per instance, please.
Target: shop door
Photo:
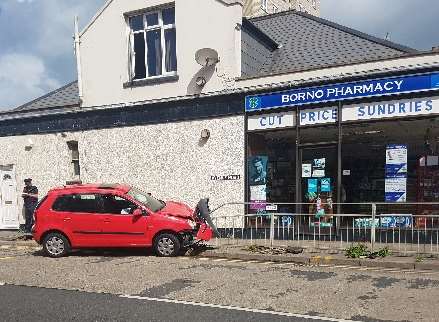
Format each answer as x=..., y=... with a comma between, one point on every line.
x=8, y=200
x=318, y=184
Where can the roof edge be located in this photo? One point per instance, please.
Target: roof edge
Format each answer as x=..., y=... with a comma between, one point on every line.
x=396, y=57
x=95, y=17
x=340, y=27
x=266, y=40
x=19, y=108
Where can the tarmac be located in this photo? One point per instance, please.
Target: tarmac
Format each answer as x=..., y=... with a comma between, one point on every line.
x=277, y=255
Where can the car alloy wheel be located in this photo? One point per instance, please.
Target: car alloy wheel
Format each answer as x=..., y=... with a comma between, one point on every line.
x=167, y=245
x=56, y=245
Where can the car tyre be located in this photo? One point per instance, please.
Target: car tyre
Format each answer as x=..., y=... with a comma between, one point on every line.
x=56, y=245
x=167, y=245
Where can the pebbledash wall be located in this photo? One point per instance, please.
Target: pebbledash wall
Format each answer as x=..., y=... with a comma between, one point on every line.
x=169, y=160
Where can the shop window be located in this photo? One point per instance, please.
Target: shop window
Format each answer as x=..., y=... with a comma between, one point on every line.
x=153, y=44
x=392, y=161
x=271, y=171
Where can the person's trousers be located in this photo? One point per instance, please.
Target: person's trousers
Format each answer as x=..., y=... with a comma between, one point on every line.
x=29, y=217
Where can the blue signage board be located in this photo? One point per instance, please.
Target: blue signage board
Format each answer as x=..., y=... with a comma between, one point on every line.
x=337, y=92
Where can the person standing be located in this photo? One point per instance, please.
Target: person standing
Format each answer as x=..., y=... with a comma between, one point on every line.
x=30, y=200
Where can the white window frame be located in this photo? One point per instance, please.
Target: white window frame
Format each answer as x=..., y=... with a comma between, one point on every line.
x=264, y=5
x=314, y=4
x=275, y=8
x=147, y=28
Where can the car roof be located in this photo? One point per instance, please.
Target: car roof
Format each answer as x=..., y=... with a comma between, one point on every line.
x=93, y=187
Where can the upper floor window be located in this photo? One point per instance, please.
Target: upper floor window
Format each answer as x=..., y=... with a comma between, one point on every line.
x=153, y=44
x=264, y=5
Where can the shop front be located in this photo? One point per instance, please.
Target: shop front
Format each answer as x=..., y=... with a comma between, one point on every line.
x=336, y=149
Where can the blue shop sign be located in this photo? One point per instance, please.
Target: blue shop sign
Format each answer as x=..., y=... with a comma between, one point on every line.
x=380, y=87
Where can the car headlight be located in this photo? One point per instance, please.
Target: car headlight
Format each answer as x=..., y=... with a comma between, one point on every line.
x=191, y=223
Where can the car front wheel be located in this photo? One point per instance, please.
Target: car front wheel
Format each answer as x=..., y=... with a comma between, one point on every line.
x=56, y=245
x=167, y=245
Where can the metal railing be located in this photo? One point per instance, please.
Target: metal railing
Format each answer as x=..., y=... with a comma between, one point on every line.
x=403, y=228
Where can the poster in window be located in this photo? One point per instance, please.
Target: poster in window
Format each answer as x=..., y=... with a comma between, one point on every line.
x=306, y=170
x=318, y=168
x=312, y=185
x=396, y=161
x=325, y=185
x=396, y=189
x=258, y=170
x=258, y=193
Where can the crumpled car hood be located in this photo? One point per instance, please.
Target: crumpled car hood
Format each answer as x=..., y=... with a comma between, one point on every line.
x=177, y=209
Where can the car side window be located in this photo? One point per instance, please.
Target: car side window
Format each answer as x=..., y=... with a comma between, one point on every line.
x=83, y=203
x=117, y=205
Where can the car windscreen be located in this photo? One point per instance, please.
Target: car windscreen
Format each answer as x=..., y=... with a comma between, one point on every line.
x=149, y=201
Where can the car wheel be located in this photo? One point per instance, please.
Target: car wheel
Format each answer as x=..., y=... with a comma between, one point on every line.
x=167, y=245
x=56, y=245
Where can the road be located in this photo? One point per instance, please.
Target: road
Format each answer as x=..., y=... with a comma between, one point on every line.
x=127, y=285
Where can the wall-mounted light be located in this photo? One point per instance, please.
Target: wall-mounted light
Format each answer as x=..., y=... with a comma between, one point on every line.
x=205, y=134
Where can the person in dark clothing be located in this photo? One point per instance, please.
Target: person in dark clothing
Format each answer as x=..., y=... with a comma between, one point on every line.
x=30, y=199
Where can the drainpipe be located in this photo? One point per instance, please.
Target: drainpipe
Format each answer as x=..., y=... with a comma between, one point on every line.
x=78, y=59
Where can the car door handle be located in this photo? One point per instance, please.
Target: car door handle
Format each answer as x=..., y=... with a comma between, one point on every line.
x=67, y=219
x=107, y=220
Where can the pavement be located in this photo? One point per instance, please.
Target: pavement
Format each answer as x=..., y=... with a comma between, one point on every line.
x=306, y=257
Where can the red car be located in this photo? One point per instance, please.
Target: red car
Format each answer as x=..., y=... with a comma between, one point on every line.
x=92, y=216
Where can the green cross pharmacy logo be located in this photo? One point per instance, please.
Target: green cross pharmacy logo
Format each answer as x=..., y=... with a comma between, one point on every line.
x=254, y=102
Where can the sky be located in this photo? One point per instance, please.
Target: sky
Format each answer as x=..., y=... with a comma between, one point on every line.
x=36, y=45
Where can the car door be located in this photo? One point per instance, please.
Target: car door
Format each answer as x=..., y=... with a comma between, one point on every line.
x=120, y=226
x=82, y=220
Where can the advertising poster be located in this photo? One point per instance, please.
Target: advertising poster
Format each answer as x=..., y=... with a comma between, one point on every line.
x=258, y=197
x=318, y=168
x=312, y=185
x=258, y=193
x=396, y=173
x=306, y=170
x=392, y=221
x=396, y=161
x=366, y=222
x=258, y=170
x=396, y=189
x=325, y=185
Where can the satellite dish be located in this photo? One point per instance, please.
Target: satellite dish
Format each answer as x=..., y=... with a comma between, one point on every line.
x=206, y=57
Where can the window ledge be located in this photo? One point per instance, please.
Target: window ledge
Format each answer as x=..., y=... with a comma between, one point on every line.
x=151, y=81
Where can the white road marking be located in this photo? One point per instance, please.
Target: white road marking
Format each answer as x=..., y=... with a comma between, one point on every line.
x=5, y=258
x=5, y=246
x=203, y=259
x=2, y=283
x=236, y=261
x=234, y=308
x=220, y=260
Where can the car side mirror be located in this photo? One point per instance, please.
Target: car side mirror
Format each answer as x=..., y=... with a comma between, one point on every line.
x=139, y=212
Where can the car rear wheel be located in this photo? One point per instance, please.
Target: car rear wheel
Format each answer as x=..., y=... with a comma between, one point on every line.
x=56, y=245
x=167, y=245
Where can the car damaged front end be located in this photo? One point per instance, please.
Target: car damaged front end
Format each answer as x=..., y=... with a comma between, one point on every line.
x=198, y=224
